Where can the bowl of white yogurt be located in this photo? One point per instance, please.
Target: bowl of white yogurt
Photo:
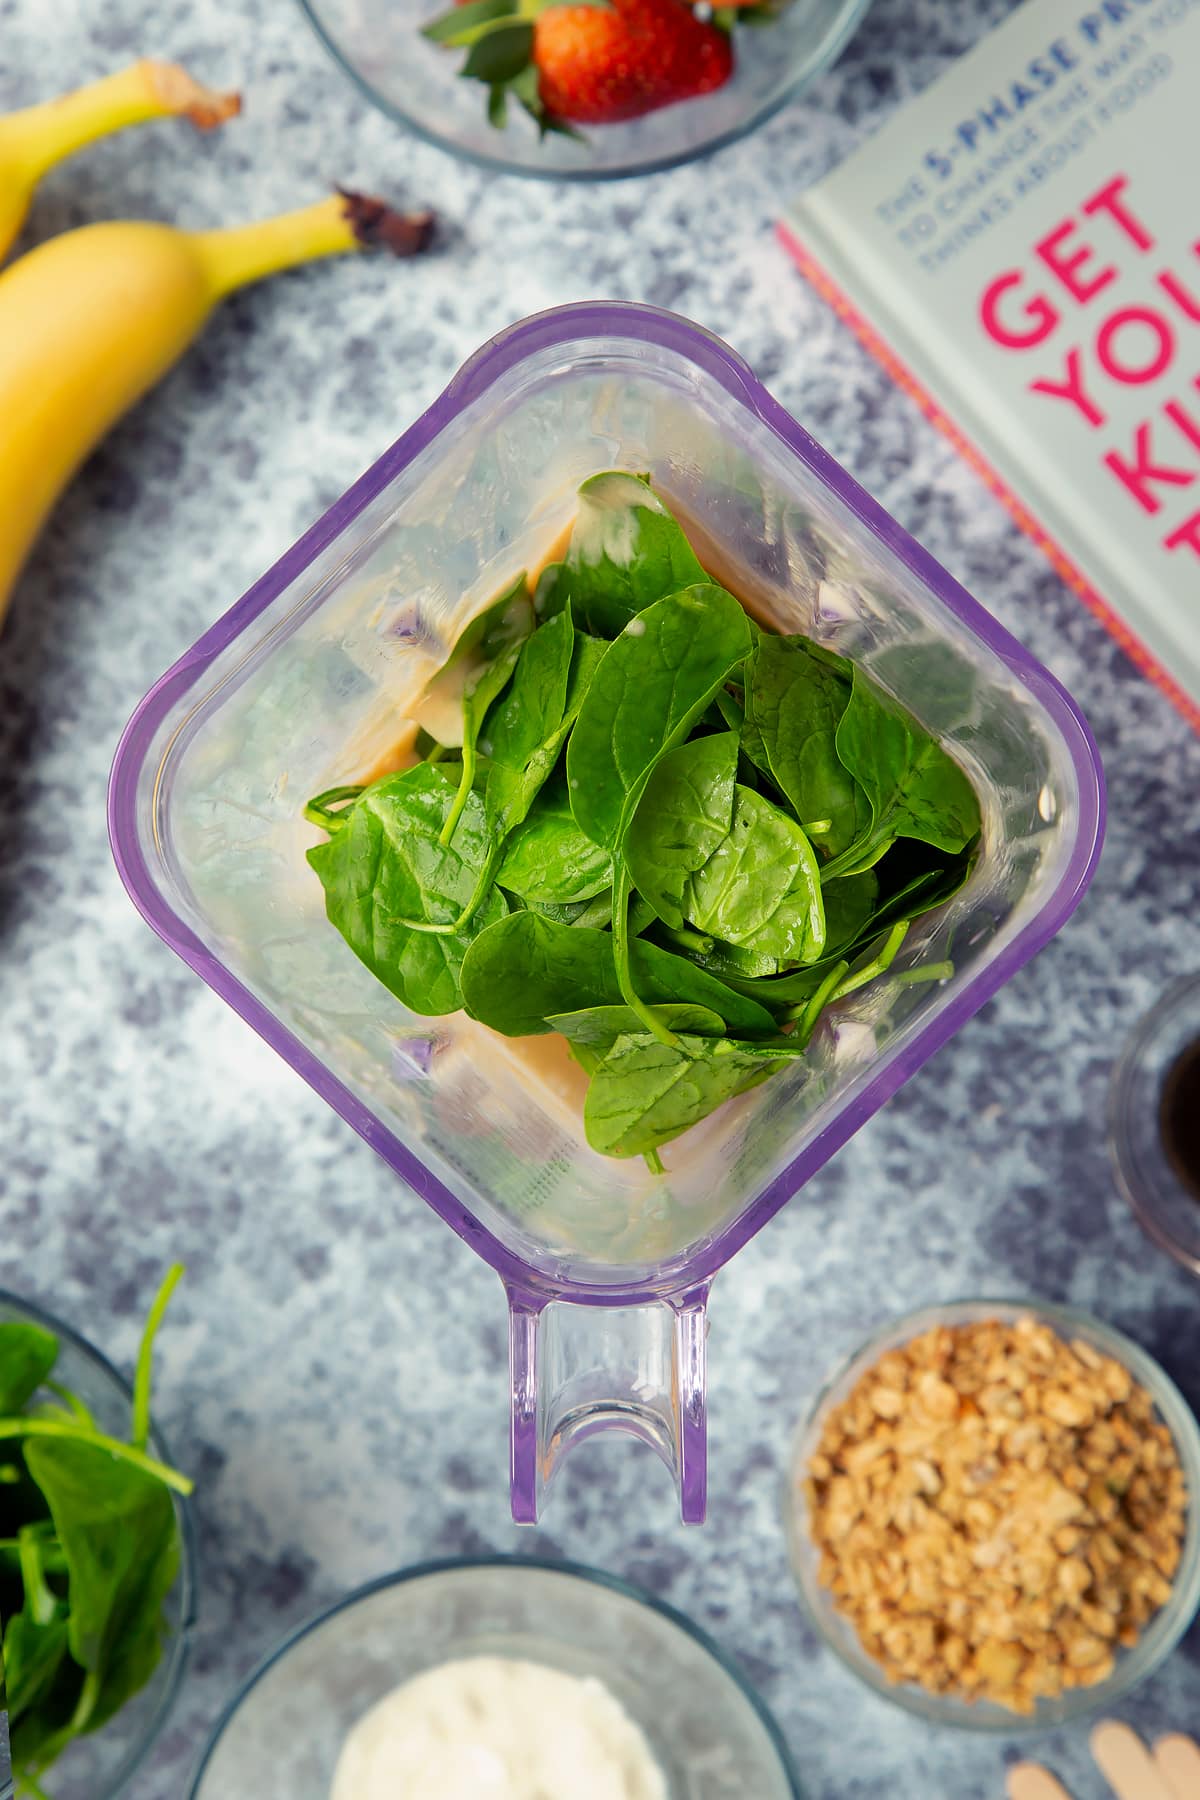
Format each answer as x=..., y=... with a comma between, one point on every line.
x=498, y=1679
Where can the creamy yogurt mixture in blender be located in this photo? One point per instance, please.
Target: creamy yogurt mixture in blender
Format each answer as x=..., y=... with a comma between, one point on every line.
x=491, y=1728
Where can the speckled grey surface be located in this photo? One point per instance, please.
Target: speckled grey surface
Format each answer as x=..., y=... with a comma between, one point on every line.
x=333, y=1372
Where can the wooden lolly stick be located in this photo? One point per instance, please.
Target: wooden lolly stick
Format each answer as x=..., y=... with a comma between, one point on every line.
x=1029, y=1781
x=1126, y=1764
x=1177, y=1760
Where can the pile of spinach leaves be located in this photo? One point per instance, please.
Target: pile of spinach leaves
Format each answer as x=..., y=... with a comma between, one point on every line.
x=89, y=1549
x=666, y=833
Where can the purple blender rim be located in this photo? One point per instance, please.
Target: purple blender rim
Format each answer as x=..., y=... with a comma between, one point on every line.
x=636, y=325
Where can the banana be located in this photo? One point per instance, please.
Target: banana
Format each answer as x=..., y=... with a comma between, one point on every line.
x=90, y=320
x=33, y=140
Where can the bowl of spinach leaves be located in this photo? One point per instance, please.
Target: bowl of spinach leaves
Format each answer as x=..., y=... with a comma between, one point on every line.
x=658, y=827
x=97, y=1557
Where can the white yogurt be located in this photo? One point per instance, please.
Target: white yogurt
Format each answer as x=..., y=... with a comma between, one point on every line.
x=487, y=1728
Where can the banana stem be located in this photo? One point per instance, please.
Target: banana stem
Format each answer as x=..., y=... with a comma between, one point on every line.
x=37, y=137
x=240, y=254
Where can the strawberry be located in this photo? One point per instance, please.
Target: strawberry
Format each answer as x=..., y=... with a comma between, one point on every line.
x=596, y=66
x=586, y=62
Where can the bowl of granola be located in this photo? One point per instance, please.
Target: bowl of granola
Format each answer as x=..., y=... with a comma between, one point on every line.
x=991, y=1514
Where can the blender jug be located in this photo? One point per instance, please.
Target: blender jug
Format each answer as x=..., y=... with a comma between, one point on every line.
x=299, y=687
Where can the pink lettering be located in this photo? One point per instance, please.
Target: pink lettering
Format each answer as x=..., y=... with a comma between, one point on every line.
x=1188, y=426
x=1187, y=303
x=1138, y=474
x=1130, y=372
x=1071, y=389
x=1109, y=200
x=1188, y=533
x=1038, y=310
x=1068, y=268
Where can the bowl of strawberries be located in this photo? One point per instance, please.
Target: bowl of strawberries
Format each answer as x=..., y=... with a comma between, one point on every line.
x=583, y=88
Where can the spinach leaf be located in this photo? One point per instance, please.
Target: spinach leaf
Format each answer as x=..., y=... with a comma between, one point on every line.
x=527, y=739
x=725, y=960
x=781, y=991
x=527, y=731
x=830, y=659
x=925, y=887
x=27, y=1355
x=34, y=1652
x=97, y=1548
x=685, y=812
x=849, y=909
x=641, y=915
x=550, y=591
x=597, y=912
x=599, y=1027
x=850, y=904
x=549, y=858
x=585, y=660
x=650, y=687
x=648, y=690
x=45, y=1727
x=761, y=887
x=858, y=858
x=386, y=863
x=794, y=703
x=626, y=552
x=915, y=789
x=524, y=968
x=622, y=935
x=643, y=1092
x=503, y=623
x=138, y=1647
x=493, y=644
x=478, y=695
x=523, y=724
x=524, y=735
x=116, y=1526
x=729, y=711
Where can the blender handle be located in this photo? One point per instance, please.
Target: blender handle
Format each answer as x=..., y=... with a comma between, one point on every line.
x=579, y=1369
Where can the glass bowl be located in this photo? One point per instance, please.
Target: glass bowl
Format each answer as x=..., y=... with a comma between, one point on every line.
x=1162, y=1203
x=1165, y=1628
x=378, y=44
x=98, y=1766
x=283, y=1731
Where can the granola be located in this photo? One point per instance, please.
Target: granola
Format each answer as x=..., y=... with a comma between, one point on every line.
x=996, y=1511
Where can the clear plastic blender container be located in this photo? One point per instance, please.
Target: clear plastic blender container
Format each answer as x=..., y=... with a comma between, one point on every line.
x=300, y=686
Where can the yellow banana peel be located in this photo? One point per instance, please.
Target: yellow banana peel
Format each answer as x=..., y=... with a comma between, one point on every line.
x=37, y=137
x=90, y=320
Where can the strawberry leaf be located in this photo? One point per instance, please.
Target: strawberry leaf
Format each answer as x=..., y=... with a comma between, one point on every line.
x=461, y=24
x=563, y=127
x=524, y=87
x=501, y=51
x=497, y=107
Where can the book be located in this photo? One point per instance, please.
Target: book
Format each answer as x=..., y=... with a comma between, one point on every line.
x=1020, y=245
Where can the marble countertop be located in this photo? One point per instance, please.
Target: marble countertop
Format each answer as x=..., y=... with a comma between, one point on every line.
x=340, y=1424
